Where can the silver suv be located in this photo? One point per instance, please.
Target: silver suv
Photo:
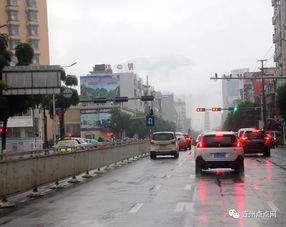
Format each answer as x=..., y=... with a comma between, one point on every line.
x=219, y=150
x=163, y=143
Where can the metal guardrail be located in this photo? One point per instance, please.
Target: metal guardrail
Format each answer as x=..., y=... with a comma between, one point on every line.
x=23, y=171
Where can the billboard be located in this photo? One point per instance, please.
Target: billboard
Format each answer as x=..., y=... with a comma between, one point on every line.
x=95, y=119
x=96, y=86
x=32, y=80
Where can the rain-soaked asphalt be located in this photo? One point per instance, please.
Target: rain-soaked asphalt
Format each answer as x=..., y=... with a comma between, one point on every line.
x=165, y=192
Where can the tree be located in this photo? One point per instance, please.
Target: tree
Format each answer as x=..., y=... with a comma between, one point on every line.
x=63, y=103
x=281, y=100
x=246, y=116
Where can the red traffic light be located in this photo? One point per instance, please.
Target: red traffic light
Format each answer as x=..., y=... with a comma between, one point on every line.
x=1, y=130
x=201, y=109
x=109, y=133
x=216, y=109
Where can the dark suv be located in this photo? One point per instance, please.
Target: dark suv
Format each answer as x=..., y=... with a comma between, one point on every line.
x=256, y=141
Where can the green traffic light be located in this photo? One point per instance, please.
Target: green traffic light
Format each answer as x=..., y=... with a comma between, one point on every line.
x=235, y=109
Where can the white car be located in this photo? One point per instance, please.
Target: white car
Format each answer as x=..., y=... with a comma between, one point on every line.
x=219, y=150
x=163, y=143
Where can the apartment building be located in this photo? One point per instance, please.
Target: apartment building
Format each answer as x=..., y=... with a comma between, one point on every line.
x=279, y=38
x=26, y=21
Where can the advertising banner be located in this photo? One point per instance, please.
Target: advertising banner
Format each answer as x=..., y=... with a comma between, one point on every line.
x=98, y=86
x=95, y=119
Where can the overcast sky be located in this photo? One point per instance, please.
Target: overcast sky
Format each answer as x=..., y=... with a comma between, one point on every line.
x=178, y=43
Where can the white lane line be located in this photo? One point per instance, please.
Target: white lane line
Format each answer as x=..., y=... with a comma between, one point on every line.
x=184, y=207
x=156, y=188
x=272, y=206
x=136, y=208
x=188, y=187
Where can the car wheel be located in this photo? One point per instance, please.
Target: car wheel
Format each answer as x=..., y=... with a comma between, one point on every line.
x=198, y=168
x=239, y=169
x=267, y=153
x=176, y=156
x=152, y=156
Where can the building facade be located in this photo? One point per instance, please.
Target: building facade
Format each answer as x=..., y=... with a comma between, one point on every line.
x=27, y=21
x=279, y=38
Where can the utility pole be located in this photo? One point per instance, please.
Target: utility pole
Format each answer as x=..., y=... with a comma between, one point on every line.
x=263, y=104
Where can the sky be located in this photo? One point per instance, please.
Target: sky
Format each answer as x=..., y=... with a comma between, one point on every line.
x=179, y=44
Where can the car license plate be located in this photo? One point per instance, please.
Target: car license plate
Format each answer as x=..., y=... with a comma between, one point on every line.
x=219, y=155
x=163, y=145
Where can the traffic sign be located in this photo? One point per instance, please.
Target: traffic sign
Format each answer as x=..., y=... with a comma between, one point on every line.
x=150, y=121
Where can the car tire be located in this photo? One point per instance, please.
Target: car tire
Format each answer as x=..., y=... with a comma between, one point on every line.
x=267, y=153
x=198, y=168
x=152, y=156
x=239, y=169
x=176, y=156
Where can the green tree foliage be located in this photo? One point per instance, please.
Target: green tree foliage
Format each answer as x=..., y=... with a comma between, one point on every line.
x=24, y=53
x=281, y=100
x=246, y=116
x=121, y=122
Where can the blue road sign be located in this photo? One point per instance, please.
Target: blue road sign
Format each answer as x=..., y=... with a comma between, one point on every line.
x=150, y=121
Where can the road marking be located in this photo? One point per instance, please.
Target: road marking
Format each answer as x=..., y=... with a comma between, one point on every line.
x=188, y=187
x=136, y=208
x=272, y=206
x=184, y=207
x=156, y=188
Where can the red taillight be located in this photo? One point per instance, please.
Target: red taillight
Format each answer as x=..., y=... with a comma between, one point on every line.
x=151, y=142
x=267, y=139
x=255, y=131
x=238, y=144
x=218, y=135
x=200, y=145
x=244, y=138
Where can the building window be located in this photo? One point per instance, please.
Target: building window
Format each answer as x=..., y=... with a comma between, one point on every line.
x=32, y=15
x=33, y=30
x=14, y=29
x=32, y=3
x=34, y=43
x=12, y=2
x=13, y=15
x=36, y=59
x=14, y=43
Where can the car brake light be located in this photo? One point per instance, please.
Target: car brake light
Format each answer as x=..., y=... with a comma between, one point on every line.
x=200, y=145
x=151, y=142
x=238, y=144
x=218, y=135
x=244, y=138
x=267, y=139
x=255, y=131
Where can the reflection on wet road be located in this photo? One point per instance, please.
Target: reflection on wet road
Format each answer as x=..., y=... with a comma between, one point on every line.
x=166, y=192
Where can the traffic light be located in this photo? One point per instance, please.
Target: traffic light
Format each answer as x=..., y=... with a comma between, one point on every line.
x=1, y=130
x=235, y=109
x=147, y=98
x=201, y=109
x=216, y=109
x=100, y=100
x=121, y=99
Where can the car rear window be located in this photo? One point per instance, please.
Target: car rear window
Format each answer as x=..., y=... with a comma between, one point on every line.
x=260, y=134
x=163, y=136
x=219, y=141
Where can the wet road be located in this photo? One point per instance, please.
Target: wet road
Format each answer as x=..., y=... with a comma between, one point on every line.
x=165, y=192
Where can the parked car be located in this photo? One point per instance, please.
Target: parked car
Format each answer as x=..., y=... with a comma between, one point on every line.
x=256, y=141
x=163, y=143
x=219, y=150
x=80, y=141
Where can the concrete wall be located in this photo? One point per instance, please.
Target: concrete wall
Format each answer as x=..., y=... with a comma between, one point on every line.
x=24, y=174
